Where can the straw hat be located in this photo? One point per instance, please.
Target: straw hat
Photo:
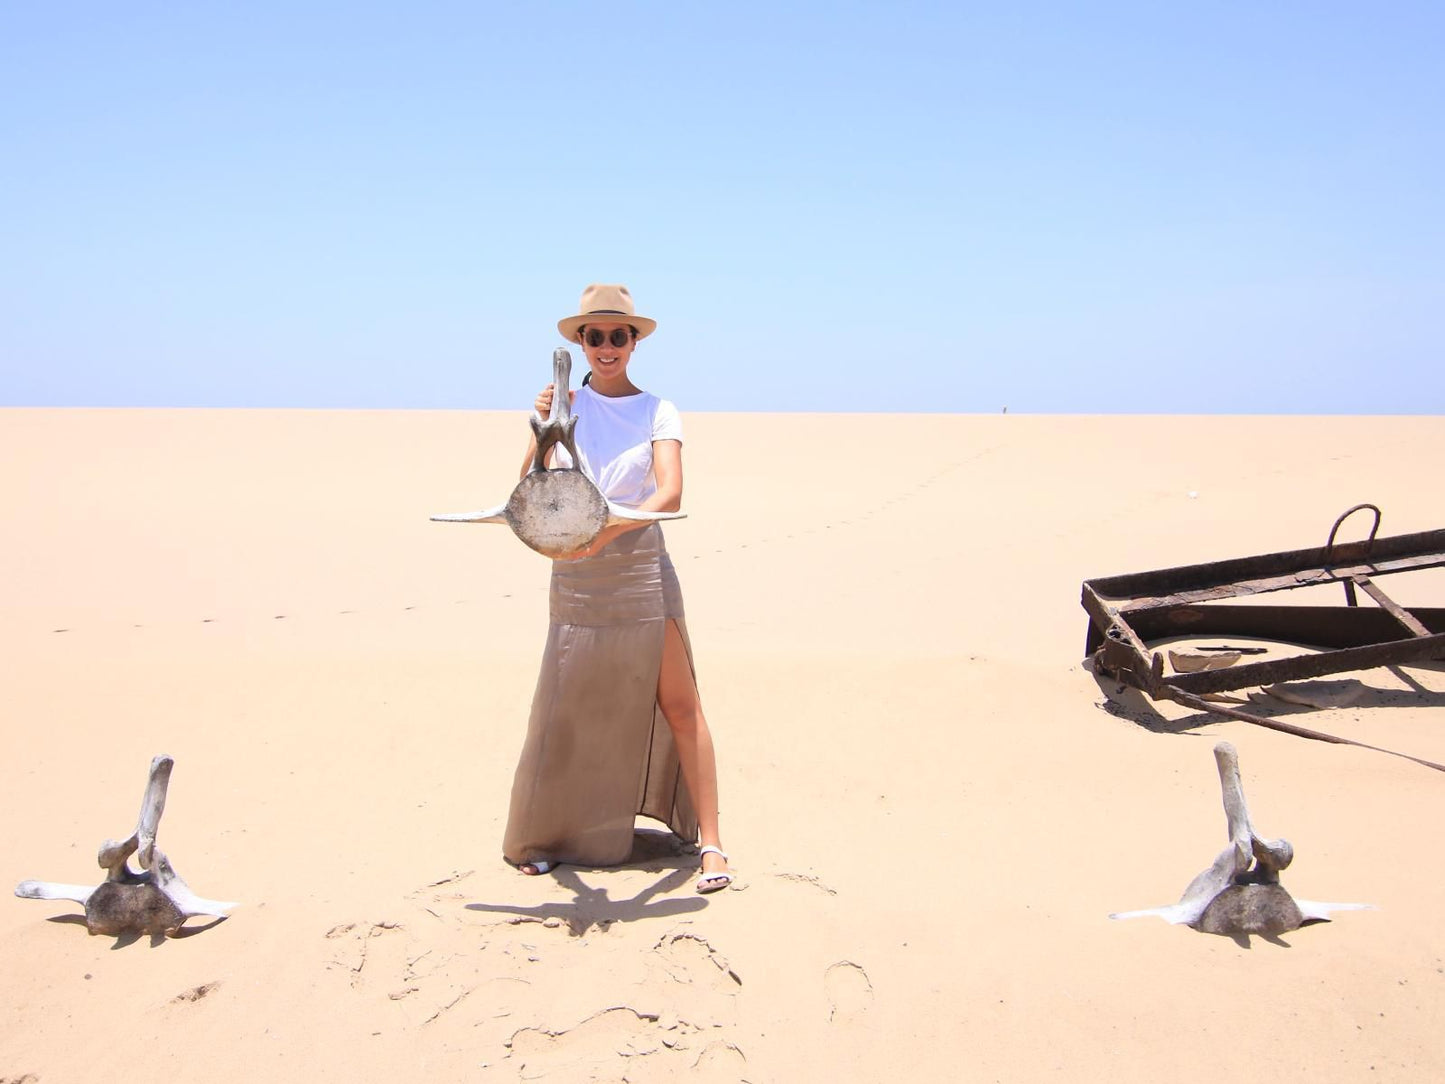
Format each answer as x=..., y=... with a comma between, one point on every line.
x=605, y=304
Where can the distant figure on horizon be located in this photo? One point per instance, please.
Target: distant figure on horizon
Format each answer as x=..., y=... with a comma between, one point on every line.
x=617, y=726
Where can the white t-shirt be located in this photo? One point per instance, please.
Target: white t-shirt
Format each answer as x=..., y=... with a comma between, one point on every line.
x=614, y=438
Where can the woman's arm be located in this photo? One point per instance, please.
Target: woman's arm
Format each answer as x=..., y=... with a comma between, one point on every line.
x=667, y=469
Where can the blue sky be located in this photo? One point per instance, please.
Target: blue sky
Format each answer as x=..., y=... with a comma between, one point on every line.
x=1232, y=207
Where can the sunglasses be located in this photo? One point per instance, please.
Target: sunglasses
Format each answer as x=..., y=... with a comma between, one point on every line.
x=618, y=336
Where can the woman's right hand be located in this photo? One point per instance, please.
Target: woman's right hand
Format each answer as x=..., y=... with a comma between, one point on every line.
x=543, y=403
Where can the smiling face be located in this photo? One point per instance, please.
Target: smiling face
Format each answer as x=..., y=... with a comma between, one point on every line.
x=607, y=360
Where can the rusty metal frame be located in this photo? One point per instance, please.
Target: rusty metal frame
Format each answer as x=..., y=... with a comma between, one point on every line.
x=1126, y=612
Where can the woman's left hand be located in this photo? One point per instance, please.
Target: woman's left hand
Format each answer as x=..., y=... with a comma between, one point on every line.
x=604, y=536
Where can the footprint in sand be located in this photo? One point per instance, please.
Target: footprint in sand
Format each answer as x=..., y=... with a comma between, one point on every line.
x=591, y=1048
x=623, y=1043
x=808, y=879
x=195, y=993
x=848, y=989
x=700, y=985
x=720, y=1061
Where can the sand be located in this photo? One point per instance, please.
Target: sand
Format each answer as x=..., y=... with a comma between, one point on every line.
x=931, y=804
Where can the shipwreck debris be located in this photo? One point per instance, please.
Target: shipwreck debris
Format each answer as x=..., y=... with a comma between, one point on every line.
x=153, y=901
x=1240, y=893
x=1126, y=612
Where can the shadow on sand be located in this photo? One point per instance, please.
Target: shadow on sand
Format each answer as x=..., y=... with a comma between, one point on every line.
x=1126, y=702
x=652, y=851
x=125, y=940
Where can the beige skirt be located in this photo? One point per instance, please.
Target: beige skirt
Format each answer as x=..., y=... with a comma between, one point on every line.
x=598, y=750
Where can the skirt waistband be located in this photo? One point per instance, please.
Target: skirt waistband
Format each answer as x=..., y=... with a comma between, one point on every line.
x=630, y=579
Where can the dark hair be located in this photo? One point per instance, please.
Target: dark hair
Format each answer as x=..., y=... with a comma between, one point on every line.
x=587, y=379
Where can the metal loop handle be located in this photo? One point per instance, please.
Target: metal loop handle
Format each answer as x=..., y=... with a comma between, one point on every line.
x=1369, y=542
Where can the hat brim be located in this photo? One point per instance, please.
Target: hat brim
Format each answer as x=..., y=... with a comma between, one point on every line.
x=570, y=326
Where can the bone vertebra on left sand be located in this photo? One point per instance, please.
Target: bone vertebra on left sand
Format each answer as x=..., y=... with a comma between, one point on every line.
x=154, y=901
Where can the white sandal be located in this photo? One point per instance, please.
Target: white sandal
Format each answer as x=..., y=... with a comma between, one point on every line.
x=539, y=865
x=705, y=880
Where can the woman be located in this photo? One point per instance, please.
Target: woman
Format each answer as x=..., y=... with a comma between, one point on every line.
x=617, y=727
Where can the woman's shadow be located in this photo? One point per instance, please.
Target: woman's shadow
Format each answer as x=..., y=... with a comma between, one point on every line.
x=592, y=907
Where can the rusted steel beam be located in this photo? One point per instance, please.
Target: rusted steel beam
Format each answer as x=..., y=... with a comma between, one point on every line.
x=1103, y=617
x=1390, y=606
x=1304, y=577
x=1277, y=571
x=1193, y=701
x=1317, y=626
x=1359, y=638
x=1299, y=667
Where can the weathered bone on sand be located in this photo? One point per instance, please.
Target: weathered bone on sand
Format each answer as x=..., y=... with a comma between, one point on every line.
x=1241, y=893
x=154, y=901
x=557, y=511
x=1189, y=662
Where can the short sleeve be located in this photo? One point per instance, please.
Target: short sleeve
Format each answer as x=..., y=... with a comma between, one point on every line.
x=666, y=422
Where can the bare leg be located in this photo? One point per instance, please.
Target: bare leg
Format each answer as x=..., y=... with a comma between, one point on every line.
x=682, y=707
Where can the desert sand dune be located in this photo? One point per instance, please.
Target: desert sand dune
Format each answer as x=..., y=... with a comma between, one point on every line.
x=932, y=806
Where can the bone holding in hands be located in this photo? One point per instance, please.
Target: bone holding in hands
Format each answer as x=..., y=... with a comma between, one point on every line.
x=615, y=514
x=560, y=510
x=1240, y=893
x=155, y=900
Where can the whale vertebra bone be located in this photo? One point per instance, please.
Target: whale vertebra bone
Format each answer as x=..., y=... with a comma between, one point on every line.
x=154, y=901
x=560, y=510
x=1241, y=893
